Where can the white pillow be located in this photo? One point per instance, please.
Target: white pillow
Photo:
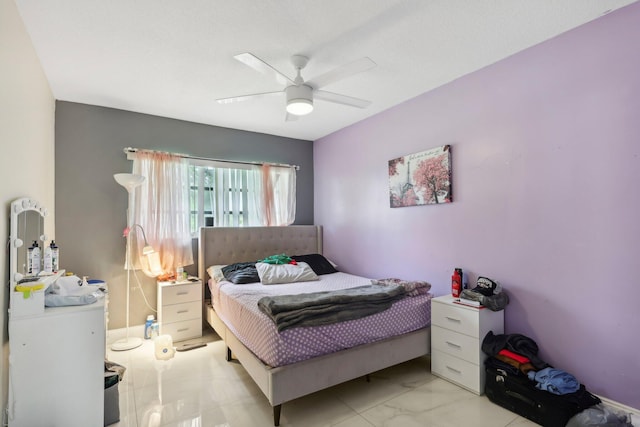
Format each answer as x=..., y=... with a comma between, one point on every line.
x=215, y=272
x=273, y=274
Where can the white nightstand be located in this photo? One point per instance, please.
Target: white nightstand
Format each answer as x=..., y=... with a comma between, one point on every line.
x=457, y=332
x=180, y=309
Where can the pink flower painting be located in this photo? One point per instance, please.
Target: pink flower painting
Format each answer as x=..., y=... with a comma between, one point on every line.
x=421, y=179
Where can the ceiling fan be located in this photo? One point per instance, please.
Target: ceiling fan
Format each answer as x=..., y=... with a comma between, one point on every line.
x=300, y=94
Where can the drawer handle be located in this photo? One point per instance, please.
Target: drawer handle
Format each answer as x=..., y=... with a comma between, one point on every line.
x=183, y=330
x=453, y=319
x=452, y=344
x=457, y=371
x=182, y=293
x=183, y=311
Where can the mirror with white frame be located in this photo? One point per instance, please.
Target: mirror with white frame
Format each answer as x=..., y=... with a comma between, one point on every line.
x=27, y=226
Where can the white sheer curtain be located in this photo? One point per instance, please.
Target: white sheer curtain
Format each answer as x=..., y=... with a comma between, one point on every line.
x=255, y=200
x=162, y=207
x=274, y=194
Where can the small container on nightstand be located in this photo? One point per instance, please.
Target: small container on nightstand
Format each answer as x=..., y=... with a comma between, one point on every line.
x=180, y=309
x=457, y=332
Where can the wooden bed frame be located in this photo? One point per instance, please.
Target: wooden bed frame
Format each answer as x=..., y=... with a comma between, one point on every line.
x=227, y=245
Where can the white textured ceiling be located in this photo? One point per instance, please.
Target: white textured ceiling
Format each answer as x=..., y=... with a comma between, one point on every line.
x=174, y=58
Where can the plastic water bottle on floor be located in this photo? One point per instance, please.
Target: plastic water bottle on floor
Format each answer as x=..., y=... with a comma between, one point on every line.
x=147, y=327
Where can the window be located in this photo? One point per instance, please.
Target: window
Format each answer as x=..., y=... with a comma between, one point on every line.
x=218, y=196
x=228, y=194
x=220, y=193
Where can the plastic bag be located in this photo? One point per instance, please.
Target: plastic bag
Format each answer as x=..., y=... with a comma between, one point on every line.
x=114, y=367
x=600, y=415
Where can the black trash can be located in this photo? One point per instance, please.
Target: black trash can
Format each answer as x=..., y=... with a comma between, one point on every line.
x=111, y=398
x=113, y=374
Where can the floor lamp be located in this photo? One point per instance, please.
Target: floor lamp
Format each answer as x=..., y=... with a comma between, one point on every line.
x=130, y=182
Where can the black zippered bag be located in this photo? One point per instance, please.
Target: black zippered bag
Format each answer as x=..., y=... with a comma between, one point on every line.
x=512, y=390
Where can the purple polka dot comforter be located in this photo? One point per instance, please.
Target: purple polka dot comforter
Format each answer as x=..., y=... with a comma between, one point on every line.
x=237, y=307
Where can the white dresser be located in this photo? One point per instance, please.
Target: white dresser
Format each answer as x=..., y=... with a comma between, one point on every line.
x=457, y=332
x=180, y=309
x=56, y=354
x=56, y=367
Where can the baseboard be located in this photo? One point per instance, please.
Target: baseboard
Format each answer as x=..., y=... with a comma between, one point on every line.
x=635, y=413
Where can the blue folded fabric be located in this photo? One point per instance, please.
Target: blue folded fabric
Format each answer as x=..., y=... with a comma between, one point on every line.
x=554, y=381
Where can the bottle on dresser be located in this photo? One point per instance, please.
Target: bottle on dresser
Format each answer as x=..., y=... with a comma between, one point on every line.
x=47, y=260
x=34, y=259
x=55, y=256
x=456, y=283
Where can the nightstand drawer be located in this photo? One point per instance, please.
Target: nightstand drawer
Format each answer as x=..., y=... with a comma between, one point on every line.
x=457, y=318
x=176, y=294
x=460, y=371
x=179, y=312
x=456, y=344
x=182, y=330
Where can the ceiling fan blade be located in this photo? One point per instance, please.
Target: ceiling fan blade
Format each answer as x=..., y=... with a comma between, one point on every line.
x=342, y=72
x=262, y=67
x=246, y=97
x=340, y=99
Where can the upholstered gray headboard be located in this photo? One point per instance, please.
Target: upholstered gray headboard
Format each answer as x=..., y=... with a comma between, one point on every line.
x=228, y=245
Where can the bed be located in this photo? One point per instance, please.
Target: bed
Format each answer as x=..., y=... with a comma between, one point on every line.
x=225, y=246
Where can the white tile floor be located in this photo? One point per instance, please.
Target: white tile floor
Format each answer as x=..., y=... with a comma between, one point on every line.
x=198, y=388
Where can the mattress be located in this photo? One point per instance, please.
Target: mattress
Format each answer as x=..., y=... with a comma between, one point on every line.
x=237, y=307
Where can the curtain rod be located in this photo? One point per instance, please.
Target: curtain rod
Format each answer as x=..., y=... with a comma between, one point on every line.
x=132, y=150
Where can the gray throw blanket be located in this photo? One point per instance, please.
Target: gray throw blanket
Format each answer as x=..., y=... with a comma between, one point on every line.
x=327, y=307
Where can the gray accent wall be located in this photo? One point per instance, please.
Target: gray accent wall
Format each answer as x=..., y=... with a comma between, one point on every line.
x=90, y=207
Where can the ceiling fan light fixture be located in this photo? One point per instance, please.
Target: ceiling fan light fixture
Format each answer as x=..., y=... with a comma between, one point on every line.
x=300, y=107
x=299, y=100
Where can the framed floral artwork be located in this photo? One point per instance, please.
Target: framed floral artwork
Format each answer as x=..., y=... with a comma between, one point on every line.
x=421, y=179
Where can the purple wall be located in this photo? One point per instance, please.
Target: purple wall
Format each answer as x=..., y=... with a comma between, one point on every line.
x=546, y=169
